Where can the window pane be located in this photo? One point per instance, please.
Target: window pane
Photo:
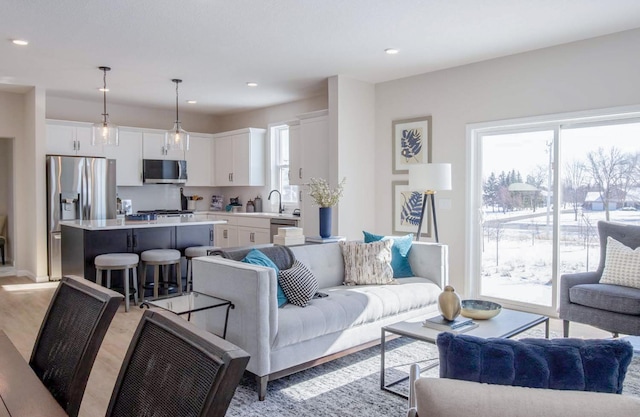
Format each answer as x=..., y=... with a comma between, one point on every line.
x=517, y=222
x=599, y=181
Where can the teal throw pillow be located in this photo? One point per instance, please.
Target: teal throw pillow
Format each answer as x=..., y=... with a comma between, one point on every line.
x=399, y=252
x=255, y=257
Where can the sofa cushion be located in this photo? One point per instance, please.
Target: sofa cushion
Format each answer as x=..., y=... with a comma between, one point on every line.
x=324, y=260
x=367, y=263
x=621, y=265
x=567, y=364
x=255, y=257
x=399, y=252
x=352, y=306
x=615, y=298
x=298, y=283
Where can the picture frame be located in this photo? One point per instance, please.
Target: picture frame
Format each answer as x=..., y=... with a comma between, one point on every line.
x=411, y=143
x=406, y=209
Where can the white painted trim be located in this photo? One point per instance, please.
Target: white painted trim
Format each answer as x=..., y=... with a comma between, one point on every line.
x=554, y=122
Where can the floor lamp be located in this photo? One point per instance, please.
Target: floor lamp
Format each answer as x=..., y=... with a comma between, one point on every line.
x=429, y=178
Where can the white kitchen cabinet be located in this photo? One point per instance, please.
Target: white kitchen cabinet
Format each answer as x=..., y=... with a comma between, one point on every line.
x=248, y=236
x=253, y=231
x=200, y=160
x=153, y=146
x=309, y=158
x=239, y=157
x=295, y=154
x=128, y=156
x=71, y=138
x=225, y=235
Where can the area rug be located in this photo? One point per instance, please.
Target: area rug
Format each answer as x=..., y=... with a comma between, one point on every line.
x=350, y=386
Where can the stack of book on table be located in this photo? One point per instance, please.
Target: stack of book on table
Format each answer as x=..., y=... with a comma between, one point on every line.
x=458, y=325
x=288, y=236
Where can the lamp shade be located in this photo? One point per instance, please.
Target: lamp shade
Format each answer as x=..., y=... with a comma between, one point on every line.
x=430, y=177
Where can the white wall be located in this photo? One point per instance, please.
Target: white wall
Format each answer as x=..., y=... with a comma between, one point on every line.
x=261, y=118
x=12, y=126
x=597, y=73
x=352, y=150
x=62, y=108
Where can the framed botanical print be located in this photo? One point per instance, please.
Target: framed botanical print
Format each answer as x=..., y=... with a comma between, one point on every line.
x=407, y=207
x=411, y=143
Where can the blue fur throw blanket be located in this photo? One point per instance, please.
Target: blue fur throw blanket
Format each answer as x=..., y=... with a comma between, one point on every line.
x=564, y=364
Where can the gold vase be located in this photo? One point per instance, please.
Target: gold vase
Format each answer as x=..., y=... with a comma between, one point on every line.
x=449, y=303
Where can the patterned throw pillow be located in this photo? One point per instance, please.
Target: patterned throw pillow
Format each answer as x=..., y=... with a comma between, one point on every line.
x=367, y=263
x=621, y=265
x=298, y=283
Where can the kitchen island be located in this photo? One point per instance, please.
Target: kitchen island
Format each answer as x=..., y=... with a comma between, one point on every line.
x=83, y=240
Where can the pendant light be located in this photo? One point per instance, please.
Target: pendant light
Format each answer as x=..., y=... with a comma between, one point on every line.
x=176, y=138
x=104, y=132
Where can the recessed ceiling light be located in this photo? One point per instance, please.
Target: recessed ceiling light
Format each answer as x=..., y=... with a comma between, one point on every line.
x=103, y=90
x=20, y=42
x=391, y=51
x=252, y=84
x=191, y=102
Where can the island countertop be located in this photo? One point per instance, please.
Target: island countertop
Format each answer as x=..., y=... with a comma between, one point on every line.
x=114, y=224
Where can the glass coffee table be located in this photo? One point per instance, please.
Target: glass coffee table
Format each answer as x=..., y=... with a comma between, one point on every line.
x=505, y=325
x=191, y=302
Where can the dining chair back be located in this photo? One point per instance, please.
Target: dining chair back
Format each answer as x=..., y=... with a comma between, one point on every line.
x=70, y=336
x=174, y=369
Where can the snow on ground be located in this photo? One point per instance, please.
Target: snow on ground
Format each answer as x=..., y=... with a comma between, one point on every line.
x=518, y=265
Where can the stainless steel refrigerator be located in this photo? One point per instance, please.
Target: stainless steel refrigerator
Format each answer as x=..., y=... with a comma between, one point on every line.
x=78, y=188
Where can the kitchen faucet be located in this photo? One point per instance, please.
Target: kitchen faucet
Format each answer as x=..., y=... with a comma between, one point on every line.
x=280, y=207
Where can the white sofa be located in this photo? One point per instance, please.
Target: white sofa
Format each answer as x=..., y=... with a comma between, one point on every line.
x=288, y=339
x=435, y=397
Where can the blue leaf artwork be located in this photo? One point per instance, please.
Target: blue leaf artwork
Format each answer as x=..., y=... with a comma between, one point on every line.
x=411, y=208
x=411, y=143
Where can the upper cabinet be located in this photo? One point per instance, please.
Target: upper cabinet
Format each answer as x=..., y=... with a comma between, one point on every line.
x=154, y=148
x=128, y=156
x=71, y=138
x=239, y=157
x=309, y=147
x=200, y=160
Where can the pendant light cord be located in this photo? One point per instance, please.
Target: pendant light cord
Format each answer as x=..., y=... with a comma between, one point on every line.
x=177, y=117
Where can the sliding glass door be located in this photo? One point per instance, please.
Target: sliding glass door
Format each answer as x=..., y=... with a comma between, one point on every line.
x=517, y=216
x=539, y=193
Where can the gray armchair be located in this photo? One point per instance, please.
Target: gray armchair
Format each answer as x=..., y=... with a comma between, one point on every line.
x=609, y=307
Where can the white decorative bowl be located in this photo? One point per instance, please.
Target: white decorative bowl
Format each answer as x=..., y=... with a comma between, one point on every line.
x=480, y=309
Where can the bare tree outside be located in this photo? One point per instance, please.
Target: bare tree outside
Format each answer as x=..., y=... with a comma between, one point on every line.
x=608, y=169
x=576, y=184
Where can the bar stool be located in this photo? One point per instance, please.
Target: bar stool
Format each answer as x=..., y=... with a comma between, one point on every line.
x=118, y=262
x=193, y=252
x=158, y=258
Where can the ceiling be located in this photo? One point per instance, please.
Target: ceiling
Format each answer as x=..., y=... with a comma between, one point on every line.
x=289, y=47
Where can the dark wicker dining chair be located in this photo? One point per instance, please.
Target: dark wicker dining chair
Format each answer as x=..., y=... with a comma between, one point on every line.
x=173, y=369
x=70, y=336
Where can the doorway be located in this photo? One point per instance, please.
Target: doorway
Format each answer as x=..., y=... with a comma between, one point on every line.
x=6, y=203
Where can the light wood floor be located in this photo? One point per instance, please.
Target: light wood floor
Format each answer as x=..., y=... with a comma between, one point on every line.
x=24, y=303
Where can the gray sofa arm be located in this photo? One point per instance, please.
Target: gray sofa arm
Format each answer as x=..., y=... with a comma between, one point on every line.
x=431, y=261
x=253, y=323
x=569, y=280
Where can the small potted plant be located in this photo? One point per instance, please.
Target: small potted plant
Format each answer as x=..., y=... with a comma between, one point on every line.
x=325, y=197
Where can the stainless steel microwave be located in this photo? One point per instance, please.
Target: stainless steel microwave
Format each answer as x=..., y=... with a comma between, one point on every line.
x=161, y=171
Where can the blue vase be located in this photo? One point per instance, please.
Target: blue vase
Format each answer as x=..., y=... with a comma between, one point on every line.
x=325, y=222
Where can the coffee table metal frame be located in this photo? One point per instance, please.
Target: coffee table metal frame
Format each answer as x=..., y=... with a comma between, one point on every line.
x=186, y=304
x=507, y=324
